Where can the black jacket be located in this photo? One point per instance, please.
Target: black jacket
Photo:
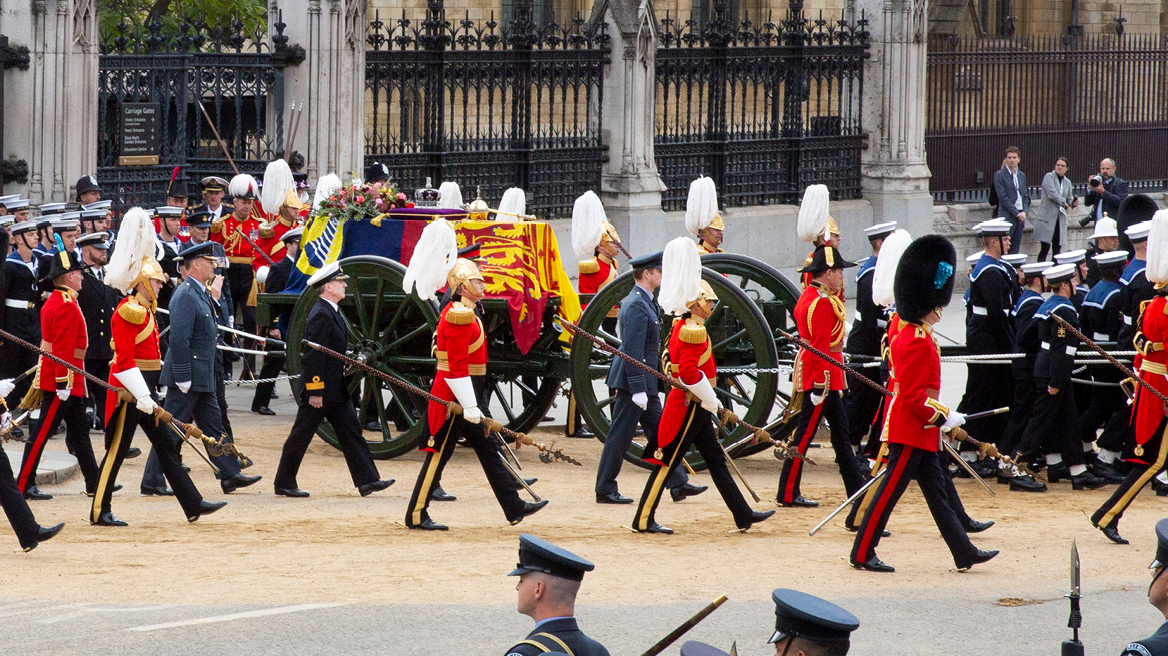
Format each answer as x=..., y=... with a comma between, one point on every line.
x=988, y=327
x=1136, y=290
x=97, y=301
x=1057, y=345
x=871, y=319
x=551, y=633
x=19, y=284
x=1156, y=645
x=1113, y=193
x=1026, y=332
x=323, y=375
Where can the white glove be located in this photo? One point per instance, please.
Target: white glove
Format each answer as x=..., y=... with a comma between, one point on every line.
x=816, y=399
x=705, y=393
x=954, y=420
x=133, y=381
x=640, y=398
x=6, y=421
x=262, y=274
x=64, y=394
x=183, y=387
x=6, y=386
x=464, y=392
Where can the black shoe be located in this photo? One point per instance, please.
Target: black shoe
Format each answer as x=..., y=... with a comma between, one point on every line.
x=618, y=498
x=800, y=502
x=154, y=491
x=108, y=519
x=263, y=410
x=186, y=468
x=275, y=394
x=975, y=526
x=530, y=481
x=206, y=508
x=440, y=495
x=1159, y=488
x=1004, y=478
x=1058, y=472
x=1112, y=534
x=430, y=525
x=583, y=433
x=373, y=425
x=18, y=434
x=853, y=529
x=375, y=486
x=676, y=493
x=657, y=528
x=1086, y=481
x=133, y=452
x=529, y=509
x=1108, y=472
x=985, y=468
x=33, y=493
x=982, y=556
x=44, y=534
x=116, y=487
x=293, y=492
x=232, y=484
x=873, y=564
x=1026, y=483
x=757, y=516
x=692, y=490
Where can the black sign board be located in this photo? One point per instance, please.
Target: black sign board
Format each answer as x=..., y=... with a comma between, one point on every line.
x=140, y=125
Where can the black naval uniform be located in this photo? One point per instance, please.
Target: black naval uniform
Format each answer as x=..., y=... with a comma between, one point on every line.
x=988, y=330
x=1102, y=319
x=323, y=376
x=1022, y=368
x=19, y=315
x=861, y=403
x=97, y=301
x=273, y=364
x=1134, y=291
x=1054, y=424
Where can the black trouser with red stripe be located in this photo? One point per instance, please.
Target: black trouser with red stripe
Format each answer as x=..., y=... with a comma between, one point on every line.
x=832, y=409
x=699, y=431
x=15, y=506
x=119, y=434
x=53, y=411
x=904, y=464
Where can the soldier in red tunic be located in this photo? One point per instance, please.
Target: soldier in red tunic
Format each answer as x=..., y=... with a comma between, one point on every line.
x=460, y=344
x=819, y=314
x=64, y=335
x=1146, y=449
x=916, y=416
x=688, y=416
x=281, y=203
x=229, y=231
x=702, y=218
x=136, y=366
x=816, y=226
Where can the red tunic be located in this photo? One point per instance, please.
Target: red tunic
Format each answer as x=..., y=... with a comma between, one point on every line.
x=915, y=413
x=270, y=243
x=461, y=345
x=135, y=340
x=64, y=335
x=596, y=272
x=1147, y=410
x=227, y=230
x=820, y=318
x=690, y=358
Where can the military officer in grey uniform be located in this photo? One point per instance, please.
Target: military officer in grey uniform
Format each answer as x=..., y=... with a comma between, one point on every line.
x=1157, y=644
x=637, y=395
x=188, y=372
x=549, y=579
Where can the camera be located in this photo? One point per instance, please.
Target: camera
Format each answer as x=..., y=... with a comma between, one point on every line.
x=1095, y=179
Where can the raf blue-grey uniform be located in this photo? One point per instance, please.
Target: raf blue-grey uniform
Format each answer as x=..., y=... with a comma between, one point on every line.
x=191, y=357
x=553, y=634
x=640, y=332
x=1157, y=643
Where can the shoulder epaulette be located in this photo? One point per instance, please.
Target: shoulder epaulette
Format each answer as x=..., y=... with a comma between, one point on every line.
x=217, y=226
x=460, y=315
x=693, y=333
x=589, y=266
x=920, y=333
x=132, y=312
x=267, y=230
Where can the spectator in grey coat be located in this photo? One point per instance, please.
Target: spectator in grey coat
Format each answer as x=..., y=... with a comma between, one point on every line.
x=1049, y=217
x=1013, y=196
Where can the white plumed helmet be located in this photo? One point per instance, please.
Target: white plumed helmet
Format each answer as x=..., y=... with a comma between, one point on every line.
x=434, y=256
x=449, y=196
x=1157, y=270
x=813, y=213
x=885, y=274
x=514, y=203
x=701, y=206
x=681, y=276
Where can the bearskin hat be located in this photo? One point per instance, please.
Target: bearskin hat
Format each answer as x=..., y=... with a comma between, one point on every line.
x=924, y=277
x=1134, y=209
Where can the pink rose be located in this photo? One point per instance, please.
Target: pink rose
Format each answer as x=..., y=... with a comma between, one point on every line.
x=401, y=196
x=360, y=199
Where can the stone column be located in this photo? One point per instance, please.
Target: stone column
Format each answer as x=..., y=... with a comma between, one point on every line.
x=630, y=186
x=330, y=83
x=895, y=172
x=50, y=117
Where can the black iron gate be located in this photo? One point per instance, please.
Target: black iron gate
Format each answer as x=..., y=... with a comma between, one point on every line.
x=238, y=78
x=11, y=56
x=763, y=108
x=487, y=105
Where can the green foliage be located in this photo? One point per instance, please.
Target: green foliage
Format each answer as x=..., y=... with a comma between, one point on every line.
x=139, y=14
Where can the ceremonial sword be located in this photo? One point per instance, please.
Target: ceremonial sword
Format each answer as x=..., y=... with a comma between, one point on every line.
x=663, y=643
x=846, y=503
x=241, y=333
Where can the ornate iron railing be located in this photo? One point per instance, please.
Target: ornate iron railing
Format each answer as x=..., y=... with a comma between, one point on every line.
x=237, y=77
x=1085, y=98
x=486, y=105
x=763, y=108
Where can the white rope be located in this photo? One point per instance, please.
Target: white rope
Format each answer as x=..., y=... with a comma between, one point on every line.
x=224, y=347
x=259, y=381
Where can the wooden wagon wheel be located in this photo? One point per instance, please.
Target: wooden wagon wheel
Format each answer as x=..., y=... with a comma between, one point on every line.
x=741, y=340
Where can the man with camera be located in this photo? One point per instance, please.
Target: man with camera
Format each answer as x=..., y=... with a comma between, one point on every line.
x=1105, y=192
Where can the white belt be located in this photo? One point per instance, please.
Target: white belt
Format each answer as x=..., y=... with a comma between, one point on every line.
x=23, y=305
x=1102, y=337
x=1046, y=346
x=1072, y=350
x=881, y=323
x=977, y=309
x=1127, y=319
x=858, y=317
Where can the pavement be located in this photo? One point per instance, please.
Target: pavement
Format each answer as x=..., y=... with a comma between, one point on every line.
x=55, y=468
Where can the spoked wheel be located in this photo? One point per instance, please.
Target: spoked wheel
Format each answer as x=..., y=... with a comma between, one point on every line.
x=742, y=344
x=775, y=295
x=388, y=330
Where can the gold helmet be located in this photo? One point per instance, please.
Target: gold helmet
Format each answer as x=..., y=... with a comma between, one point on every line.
x=150, y=270
x=292, y=199
x=717, y=224
x=705, y=293
x=610, y=234
x=464, y=271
